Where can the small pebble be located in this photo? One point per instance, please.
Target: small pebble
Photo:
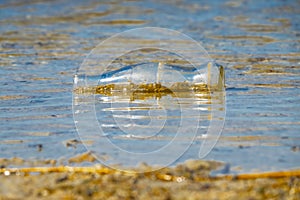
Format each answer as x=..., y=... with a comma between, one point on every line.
x=295, y=148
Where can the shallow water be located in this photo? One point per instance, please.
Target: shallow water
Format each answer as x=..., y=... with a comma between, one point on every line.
x=44, y=42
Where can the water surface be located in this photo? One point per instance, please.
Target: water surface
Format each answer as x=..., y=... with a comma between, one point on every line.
x=44, y=42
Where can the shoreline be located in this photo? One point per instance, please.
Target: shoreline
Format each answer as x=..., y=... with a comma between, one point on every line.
x=190, y=180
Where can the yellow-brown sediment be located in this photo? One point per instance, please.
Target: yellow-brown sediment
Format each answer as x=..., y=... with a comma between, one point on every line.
x=158, y=174
x=190, y=179
x=148, y=90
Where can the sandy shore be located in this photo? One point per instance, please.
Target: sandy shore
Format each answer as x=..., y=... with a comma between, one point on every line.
x=190, y=180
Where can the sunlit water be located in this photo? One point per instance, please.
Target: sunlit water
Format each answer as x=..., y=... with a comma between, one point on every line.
x=44, y=43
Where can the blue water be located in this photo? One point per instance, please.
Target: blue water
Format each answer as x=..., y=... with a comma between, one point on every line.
x=44, y=43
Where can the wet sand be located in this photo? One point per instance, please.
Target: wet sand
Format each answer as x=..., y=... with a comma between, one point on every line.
x=190, y=180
